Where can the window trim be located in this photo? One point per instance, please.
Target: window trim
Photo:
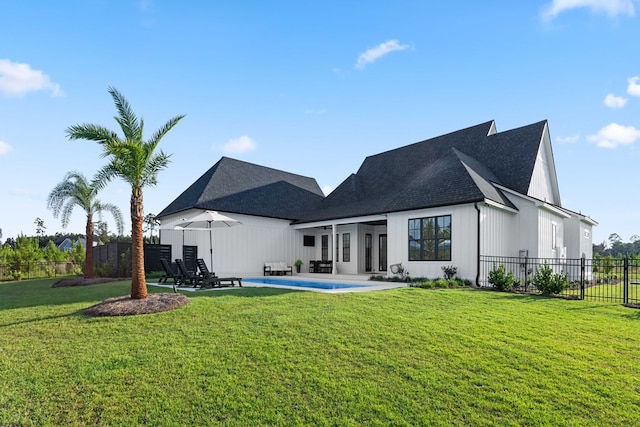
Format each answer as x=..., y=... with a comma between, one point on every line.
x=437, y=239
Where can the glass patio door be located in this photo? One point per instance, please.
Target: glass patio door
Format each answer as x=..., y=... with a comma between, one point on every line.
x=382, y=257
x=368, y=252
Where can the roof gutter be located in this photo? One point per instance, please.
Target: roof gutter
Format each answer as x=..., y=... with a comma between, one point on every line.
x=475, y=205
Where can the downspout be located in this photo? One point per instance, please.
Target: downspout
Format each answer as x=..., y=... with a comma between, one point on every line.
x=478, y=247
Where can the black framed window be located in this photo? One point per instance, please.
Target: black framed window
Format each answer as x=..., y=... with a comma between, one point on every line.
x=430, y=238
x=346, y=247
x=324, y=251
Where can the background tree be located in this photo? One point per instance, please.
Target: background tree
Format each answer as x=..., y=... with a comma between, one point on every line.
x=134, y=160
x=25, y=253
x=102, y=232
x=10, y=242
x=39, y=229
x=75, y=190
x=151, y=223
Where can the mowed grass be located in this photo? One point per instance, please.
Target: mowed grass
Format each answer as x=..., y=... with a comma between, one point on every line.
x=277, y=357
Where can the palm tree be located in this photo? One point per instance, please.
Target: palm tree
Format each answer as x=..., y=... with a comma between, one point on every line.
x=135, y=161
x=75, y=190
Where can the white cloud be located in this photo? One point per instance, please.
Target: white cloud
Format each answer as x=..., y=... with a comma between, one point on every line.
x=375, y=53
x=327, y=189
x=634, y=87
x=18, y=79
x=614, y=134
x=610, y=7
x=613, y=101
x=572, y=139
x=4, y=148
x=239, y=145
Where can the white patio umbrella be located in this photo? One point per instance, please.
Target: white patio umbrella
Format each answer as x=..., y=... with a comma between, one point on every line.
x=203, y=221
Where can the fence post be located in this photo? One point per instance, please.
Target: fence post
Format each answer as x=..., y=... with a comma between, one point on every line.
x=625, y=282
x=582, y=275
x=526, y=273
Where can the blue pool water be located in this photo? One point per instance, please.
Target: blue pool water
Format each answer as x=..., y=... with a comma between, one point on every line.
x=302, y=283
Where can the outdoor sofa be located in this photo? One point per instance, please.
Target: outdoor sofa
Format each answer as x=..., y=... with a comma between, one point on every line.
x=278, y=268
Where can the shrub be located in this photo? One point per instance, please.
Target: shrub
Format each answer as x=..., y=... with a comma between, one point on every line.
x=449, y=271
x=440, y=283
x=102, y=270
x=124, y=268
x=548, y=282
x=501, y=279
x=154, y=274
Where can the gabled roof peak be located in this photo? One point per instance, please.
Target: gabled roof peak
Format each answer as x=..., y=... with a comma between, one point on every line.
x=454, y=168
x=237, y=186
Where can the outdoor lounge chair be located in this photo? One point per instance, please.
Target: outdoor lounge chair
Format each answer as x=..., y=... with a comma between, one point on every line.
x=186, y=275
x=208, y=278
x=169, y=274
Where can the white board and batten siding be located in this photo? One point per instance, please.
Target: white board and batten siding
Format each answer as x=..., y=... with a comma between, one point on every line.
x=550, y=234
x=578, y=237
x=464, y=255
x=544, y=180
x=243, y=249
x=499, y=231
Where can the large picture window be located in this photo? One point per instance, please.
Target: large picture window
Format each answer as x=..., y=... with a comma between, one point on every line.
x=430, y=238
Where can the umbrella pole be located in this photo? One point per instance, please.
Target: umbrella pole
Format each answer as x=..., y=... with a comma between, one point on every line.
x=211, y=247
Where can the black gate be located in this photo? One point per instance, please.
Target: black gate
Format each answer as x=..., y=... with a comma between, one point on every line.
x=153, y=254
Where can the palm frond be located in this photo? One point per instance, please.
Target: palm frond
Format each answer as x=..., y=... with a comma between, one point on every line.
x=104, y=175
x=160, y=133
x=74, y=188
x=91, y=132
x=117, y=215
x=65, y=215
x=126, y=118
x=156, y=163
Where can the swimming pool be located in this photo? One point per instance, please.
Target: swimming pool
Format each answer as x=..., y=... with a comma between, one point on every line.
x=302, y=283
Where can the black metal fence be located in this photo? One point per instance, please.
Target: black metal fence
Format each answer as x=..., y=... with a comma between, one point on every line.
x=111, y=260
x=38, y=270
x=615, y=280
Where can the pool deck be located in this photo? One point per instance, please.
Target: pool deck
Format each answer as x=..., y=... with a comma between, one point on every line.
x=363, y=282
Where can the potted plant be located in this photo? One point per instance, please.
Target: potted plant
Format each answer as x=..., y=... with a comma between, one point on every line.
x=298, y=263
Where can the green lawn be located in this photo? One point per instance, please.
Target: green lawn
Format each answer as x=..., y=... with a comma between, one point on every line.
x=278, y=357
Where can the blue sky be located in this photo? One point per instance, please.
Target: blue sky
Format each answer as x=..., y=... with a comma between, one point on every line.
x=314, y=87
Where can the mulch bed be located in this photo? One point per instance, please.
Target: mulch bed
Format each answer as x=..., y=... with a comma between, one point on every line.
x=127, y=306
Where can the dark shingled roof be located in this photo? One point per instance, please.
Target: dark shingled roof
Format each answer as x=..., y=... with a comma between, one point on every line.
x=456, y=168
x=239, y=187
x=459, y=167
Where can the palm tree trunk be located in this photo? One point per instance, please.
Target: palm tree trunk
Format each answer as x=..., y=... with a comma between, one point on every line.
x=138, y=281
x=88, y=254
